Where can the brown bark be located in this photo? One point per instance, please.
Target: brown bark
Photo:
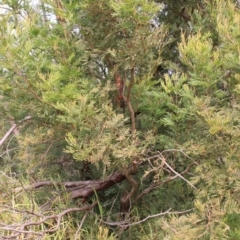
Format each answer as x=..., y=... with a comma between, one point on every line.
x=120, y=89
x=83, y=189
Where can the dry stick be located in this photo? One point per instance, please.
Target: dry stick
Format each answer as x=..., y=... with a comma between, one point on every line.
x=18, y=233
x=16, y=131
x=19, y=211
x=157, y=184
x=45, y=218
x=123, y=223
x=80, y=227
x=153, y=186
x=179, y=175
x=80, y=189
x=8, y=134
x=12, y=129
x=7, y=145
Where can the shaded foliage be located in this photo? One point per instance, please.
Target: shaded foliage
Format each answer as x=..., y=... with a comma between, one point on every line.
x=147, y=91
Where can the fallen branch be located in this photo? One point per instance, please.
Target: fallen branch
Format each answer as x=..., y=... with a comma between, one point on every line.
x=126, y=223
x=85, y=189
x=58, y=217
x=80, y=189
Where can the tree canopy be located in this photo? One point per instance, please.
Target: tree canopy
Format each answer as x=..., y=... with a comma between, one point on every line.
x=120, y=119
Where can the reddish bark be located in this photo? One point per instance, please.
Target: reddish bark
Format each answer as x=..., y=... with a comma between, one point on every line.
x=120, y=89
x=84, y=189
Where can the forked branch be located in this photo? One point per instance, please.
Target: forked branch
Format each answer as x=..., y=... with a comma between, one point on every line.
x=23, y=229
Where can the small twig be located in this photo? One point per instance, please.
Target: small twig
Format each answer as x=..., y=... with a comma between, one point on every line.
x=123, y=223
x=76, y=237
x=113, y=203
x=179, y=175
x=8, y=134
x=44, y=219
x=14, y=126
x=7, y=147
x=21, y=211
x=157, y=184
x=4, y=174
x=7, y=151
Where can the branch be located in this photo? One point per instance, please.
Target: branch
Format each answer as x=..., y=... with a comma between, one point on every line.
x=81, y=189
x=125, y=200
x=76, y=237
x=44, y=219
x=7, y=134
x=179, y=175
x=14, y=126
x=157, y=184
x=126, y=223
x=127, y=101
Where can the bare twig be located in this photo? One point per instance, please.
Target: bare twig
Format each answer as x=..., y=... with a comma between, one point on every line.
x=76, y=237
x=20, y=211
x=14, y=126
x=157, y=184
x=58, y=217
x=178, y=174
x=7, y=151
x=126, y=223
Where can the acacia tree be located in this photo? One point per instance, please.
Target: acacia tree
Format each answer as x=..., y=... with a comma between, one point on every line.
x=99, y=95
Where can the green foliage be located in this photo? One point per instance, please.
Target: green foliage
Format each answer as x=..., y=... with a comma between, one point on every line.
x=180, y=65
x=212, y=79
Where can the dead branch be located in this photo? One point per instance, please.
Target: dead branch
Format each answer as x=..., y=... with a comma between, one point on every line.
x=177, y=174
x=80, y=189
x=126, y=223
x=14, y=127
x=76, y=237
x=23, y=227
x=85, y=189
x=157, y=184
x=97, y=185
